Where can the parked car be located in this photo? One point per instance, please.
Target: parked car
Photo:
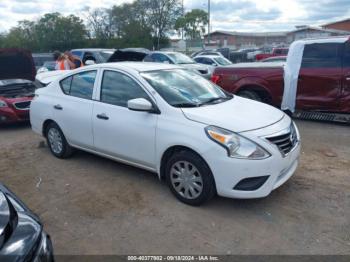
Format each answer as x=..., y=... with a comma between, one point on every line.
x=275, y=59
x=251, y=54
x=47, y=66
x=212, y=60
x=129, y=54
x=40, y=59
x=97, y=55
x=206, y=53
x=171, y=121
x=240, y=56
x=323, y=85
x=22, y=235
x=275, y=52
x=177, y=58
x=17, y=73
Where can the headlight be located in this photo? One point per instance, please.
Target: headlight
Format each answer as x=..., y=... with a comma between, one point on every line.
x=237, y=146
x=3, y=103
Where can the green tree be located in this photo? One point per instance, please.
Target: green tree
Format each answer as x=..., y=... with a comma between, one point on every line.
x=23, y=36
x=162, y=15
x=55, y=31
x=193, y=23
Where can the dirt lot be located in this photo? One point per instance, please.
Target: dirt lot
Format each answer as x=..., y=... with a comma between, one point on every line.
x=91, y=205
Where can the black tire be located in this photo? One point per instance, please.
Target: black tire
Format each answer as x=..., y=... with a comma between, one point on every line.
x=208, y=185
x=250, y=95
x=66, y=150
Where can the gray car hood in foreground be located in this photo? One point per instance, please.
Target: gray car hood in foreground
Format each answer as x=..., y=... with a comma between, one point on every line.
x=238, y=114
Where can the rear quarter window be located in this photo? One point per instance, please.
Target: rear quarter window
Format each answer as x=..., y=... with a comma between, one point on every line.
x=79, y=85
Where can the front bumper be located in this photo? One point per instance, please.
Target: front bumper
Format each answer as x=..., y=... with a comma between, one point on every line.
x=44, y=251
x=9, y=115
x=229, y=172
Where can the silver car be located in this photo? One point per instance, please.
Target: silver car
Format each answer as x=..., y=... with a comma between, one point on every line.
x=181, y=60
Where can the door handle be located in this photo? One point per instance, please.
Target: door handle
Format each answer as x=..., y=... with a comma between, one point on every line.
x=348, y=78
x=58, y=107
x=102, y=116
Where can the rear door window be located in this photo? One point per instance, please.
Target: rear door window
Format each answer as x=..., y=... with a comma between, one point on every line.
x=322, y=56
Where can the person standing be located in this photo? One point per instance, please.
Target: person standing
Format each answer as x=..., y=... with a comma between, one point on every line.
x=75, y=61
x=61, y=61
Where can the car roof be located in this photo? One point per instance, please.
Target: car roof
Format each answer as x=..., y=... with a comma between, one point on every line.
x=334, y=39
x=93, y=49
x=165, y=52
x=137, y=66
x=208, y=56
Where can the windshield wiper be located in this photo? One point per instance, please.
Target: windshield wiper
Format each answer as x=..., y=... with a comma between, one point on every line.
x=214, y=99
x=185, y=105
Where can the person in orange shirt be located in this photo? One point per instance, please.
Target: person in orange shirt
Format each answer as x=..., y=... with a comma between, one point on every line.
x=62, y=62
x=74, y=61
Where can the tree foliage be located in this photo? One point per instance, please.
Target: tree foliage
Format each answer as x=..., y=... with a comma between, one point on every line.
x=193, y=23
x=142, y=23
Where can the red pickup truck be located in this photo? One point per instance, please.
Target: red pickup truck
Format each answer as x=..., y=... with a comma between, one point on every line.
x=323, y=83
x=275, y=52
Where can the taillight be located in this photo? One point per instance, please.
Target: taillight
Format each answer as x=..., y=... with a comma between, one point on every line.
x=215, y=78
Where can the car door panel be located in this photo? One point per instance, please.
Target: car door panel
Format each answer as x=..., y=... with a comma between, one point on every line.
x=73, y=108
x=126, y=134
x=123, y=133
x=344, y=105
x=319, y=84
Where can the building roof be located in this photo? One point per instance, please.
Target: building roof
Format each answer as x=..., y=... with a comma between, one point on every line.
x=336, y=31
x=261, y=34
x=336, y=22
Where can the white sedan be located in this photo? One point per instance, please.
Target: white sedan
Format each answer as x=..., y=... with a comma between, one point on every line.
x=169, y=120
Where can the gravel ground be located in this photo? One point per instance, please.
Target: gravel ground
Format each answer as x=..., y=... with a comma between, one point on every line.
x=91, y=205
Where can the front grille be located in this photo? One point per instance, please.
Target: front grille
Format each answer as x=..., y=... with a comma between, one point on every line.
x=285, y=142
x=22, y=105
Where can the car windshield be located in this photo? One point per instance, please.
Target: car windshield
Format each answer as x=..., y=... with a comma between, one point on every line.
x=222, y=61
x=179, y=58
x=183, y=88
x=106, y=54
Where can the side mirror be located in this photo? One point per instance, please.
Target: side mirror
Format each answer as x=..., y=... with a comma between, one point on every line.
x=89, y=62
x=140, y=104
x=213, y=64
x=166, y=62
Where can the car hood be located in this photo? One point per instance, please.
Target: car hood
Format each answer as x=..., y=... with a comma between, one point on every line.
x=195, y=66
x=128, y=54
x=258, y=65
x=238, y=114
x=16, y=64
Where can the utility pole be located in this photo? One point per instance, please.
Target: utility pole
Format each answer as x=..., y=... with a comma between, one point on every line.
x=208, y=22
x=183, y=14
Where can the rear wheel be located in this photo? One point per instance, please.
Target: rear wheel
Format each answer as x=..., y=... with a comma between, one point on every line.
x=57, y=142
x=250, y=95
x=189, y=178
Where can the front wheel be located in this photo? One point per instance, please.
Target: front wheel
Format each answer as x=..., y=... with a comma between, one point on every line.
x=189, y=178
x=57, y=142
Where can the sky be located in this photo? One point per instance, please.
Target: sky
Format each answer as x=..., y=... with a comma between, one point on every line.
x=231, y=15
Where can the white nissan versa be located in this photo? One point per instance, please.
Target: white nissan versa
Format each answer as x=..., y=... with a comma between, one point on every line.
x=171, y=121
